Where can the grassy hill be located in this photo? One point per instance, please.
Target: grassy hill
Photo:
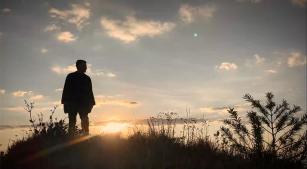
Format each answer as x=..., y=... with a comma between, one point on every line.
x=139, y=151
x=49, y=146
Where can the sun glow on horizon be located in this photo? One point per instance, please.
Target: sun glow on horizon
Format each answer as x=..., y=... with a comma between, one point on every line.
x=115, y=127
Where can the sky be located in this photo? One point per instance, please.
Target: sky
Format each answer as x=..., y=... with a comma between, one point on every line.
x=146, y=57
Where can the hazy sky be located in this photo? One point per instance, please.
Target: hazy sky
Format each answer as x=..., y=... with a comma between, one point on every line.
x=153, y=56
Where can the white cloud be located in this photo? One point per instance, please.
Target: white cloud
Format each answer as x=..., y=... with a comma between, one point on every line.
x=300, y=3
x=20, y=109
x=227, y=66
x=90, y=71
x=30, y=94
x=58, y=90
x=100, y=73
x=87, y=4
x=21, y=93
x=51, y=27
x=255, y=60
x=66, y=37
x=44, y=50
x=221, y=112
x=271, y=71
x=251, y=1
x=77, y=15
x=14, y=109
x=37, y=97
x=131, y=28
x=2, y=91
x=189, y=13
x=110, y=75
x=114, y=101
x=63, y=70
x=6, y=10
x=296, y=59
x=210, y=110
x=58, y=102
x=259, y=59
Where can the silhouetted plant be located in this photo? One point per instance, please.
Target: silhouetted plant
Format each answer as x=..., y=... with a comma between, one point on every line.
x=189, y=127
x=194, y=130
x=53, y=127
x=279, y=123
x=164, y=124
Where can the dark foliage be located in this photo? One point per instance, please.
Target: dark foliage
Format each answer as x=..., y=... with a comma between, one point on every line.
x=273, y=133
x=49, y=146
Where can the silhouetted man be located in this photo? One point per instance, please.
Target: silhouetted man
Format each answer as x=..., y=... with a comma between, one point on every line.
x=78, y=97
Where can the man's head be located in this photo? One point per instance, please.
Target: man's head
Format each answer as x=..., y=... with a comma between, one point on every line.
x=81, y=66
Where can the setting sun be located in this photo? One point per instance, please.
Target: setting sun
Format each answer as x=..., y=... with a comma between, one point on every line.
x=114, y=127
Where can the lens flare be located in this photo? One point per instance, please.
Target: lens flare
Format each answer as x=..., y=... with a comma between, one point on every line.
x=114, y=127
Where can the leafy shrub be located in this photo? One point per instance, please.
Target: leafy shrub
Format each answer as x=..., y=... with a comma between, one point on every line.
x=279, y=123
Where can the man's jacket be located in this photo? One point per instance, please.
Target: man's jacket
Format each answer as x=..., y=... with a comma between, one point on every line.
x=77, y=93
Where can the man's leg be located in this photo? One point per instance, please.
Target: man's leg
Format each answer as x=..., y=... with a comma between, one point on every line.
x=84, y=122
x=72, y=123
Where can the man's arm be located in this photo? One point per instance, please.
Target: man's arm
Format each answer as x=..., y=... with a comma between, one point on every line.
x=67, y=86
x=92, y=99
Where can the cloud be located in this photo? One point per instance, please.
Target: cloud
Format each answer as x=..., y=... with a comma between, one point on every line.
x=100, y=73
x=58, y=90
x=77, y=15
x=6, y=10
x=63, y=70
x=221, y=112
x=296, y=59
x=227, y=66
x=58, y=102
x=19, y=109
x=259, y=59
x=2, y=91
x=14, y=109
x=271, y=71
x=114, y=101
x=90, y=71
x=51, y=27
x=210, y=110
x=214, y=112
x=21, y=93
x=111, y=75
x=30, y=94
x=131, y=29
x=44, y=50
x=37, y=97
x=256, y=60
x=299, y=3
x=66, y=37
x=251, y=1
x=189, y=13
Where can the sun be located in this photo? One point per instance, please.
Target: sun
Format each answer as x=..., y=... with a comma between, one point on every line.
x=115, y=127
